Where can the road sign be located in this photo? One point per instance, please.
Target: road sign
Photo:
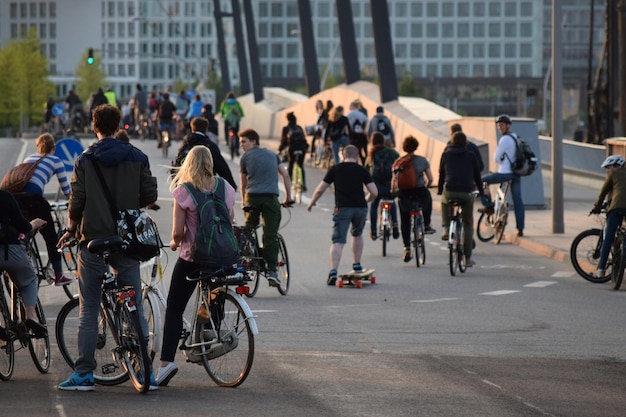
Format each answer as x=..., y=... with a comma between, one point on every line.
x=68, y=150
x=58, y=110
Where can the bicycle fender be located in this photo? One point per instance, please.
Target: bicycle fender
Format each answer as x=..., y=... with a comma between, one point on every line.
x=246, y=310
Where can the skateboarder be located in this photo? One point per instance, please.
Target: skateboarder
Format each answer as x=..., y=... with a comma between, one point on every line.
x=350, y=207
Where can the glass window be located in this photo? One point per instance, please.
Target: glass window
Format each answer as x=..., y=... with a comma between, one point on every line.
x=432, y=30
x=121, y=29
x=121, y=9
x=416, y=70
x=416, y=30
x=478, y=50
x=292, y=71
x=400, y=50
x=525, y=70
x=447, y=30
x=432, y=9
x=53, y=51
x=111, y=8
x=131, y=29
x=43, y=33
x=510, y=9
x=447, y=9
x=494, y=30
x=432, y=50
x=416, y=50
x=13, y=12
x=509, y=70
x=462, y=50
x=33, y=10
x=479, y=30
x=463, y=9
x=43, y=9
x=478, y=70
x=23, y=10
x=277, y=50
x=323, y=30
x=53, y=30
x=494, y=50
x=401, y=30
x=293, y=50
x=447, y=50
x=510, y=50
x=277, y=9
x=263, y=31
x=121, y=70
x=494, y=70
x=263, y=50
x=368, y=32
x=121, y=50
x=277, y=30
x=479, y=9
x=525, y=30
x=43, y=49
x=14, y=32
x=111, y=29
x=431, y=70
x=131, y=50
x=447, y=70
x=111, y=72
x=416, y=9
x=23, y=30
x=526, y=9
x=495, y=9
x=131, y=13
x=510, y=30
x=463, y=30
x=463, y=70
x=53, y=9
x=276, y=71
x=526, y=50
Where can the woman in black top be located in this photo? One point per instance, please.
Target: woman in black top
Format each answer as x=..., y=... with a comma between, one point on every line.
x=338, y=131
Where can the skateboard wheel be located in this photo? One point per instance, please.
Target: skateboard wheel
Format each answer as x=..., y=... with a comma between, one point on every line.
x=339, y=283
x=373, y=280
x=358, y=284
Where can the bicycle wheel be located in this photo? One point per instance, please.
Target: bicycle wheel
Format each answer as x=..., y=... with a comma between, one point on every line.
x=70, y=264
x=40, y=347
x=297, y=182
x=228, y=359
x=452, y=248
x=501, y=222
x=248, y=249
x=43, y=270
x=282, y=266
x=484, y=227
x=165, y=143
x=133, y=350
x=7, y=354
x=109, y=370
x=420, y=247
x=152, y=313
x=385, y=238
x=585, y=254
x=460, y=252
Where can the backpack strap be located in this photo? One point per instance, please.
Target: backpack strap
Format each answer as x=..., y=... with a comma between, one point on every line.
x=218, y=193
x=516, y=146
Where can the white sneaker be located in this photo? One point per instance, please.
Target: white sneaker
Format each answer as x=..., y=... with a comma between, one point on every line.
x=166, y=373
x=600, y=273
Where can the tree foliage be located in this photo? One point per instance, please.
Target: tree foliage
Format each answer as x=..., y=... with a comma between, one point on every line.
x=407, y=86
x=89, y=77
x=24, y=82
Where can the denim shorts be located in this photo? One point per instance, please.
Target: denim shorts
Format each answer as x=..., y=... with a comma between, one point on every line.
x=348, y=216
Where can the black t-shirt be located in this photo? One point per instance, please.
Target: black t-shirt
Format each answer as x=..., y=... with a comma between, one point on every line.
x=349, y=178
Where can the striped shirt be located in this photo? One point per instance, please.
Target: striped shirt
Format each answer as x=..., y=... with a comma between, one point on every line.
x=49, y=166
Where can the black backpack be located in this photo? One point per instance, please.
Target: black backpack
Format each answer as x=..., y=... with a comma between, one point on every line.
x=297, y=139
x=525, y=160
x=381, y=169
x=215, y=241
x=383, y=127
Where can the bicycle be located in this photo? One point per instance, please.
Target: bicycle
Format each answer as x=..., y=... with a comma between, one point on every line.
x=618, y=251
x=166, y=133
x=585, y=252
x=69, y=253
x=384, y=222
x=493, y=225
x=221, y=334
x=251, y=249
x=233, y=143
x=455, y=238
x=298, y=181
x=417, y=227
x=121, y=348
x=12, y=319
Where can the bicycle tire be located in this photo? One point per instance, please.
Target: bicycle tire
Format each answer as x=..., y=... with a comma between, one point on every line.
x=282, y=266
x=7, y=352
x=248, y=248
x=66, y=334
x=39, y=348
x=501, y=223
x=298, y=183
x=152, y=313
x=229, y=360
x=452, y=248
x=43, y=271
x=460, y=247
x=385, y=238
x=584, y=254
x=420, y=247
x=69, y=256
x=133, y=349
x=484, y=227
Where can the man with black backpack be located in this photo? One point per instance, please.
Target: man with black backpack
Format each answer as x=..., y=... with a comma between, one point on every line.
x=293, y=139
x=505, y=157
x=381, y=123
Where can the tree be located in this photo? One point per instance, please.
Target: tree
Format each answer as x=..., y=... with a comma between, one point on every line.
x=407, y=86
x=24, y=83
x=89, y=77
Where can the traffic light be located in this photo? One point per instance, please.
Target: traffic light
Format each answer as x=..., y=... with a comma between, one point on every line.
x=90, y=57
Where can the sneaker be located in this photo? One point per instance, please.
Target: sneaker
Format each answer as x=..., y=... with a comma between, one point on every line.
x=165, y=374
x=153, y=384
x=332, y=277
x=373, y=236
x=396, y=232
x=77, y=382
x=61, y=280
x=38, y=329
x=600, y=273
x=469, y=262
x=429, y=230
x=486, y=210
x=407, y=255
x=272, y=279
x=357, y=267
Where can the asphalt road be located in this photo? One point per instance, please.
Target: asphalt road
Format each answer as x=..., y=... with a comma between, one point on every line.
x=517, y=335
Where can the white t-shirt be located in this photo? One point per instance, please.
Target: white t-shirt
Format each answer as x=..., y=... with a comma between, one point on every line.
x=505, y=153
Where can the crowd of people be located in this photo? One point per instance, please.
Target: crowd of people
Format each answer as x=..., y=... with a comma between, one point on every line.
x=366, y=170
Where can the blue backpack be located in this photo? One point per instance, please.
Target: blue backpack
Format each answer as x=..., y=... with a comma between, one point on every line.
x=215, y=241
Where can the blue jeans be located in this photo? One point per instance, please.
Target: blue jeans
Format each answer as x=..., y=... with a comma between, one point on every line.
x=613, y=221
x=342, y=142
x=90, y=271
x=516, y=193
x=384, y=191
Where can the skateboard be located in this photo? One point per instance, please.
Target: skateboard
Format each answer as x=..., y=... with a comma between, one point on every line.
x=356, y=278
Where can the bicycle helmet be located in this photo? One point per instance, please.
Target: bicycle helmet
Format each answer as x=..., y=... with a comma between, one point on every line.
x=504, y=118
x=613, y=160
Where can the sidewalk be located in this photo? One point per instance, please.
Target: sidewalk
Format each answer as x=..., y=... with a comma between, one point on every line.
x=579, y=196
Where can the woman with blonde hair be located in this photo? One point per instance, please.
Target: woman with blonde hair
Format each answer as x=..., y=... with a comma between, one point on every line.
x=34, y=205
x=197, y=172
x=338, y=131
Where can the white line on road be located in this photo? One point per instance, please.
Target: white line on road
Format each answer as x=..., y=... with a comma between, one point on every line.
x=434, y=300
x=540, y=284
x=500, y=292
x=563, y=274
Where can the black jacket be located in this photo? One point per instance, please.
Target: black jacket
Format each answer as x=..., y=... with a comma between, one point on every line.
x=459, y=171
x=220, y=167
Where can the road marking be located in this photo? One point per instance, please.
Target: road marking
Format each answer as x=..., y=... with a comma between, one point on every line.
x=264, y=311
x=500, y=292
x=540, y=284
x=434, y=300
x=510, y=266
x=563, y=274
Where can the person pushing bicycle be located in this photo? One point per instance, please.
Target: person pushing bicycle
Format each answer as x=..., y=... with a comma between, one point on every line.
x=293, y=139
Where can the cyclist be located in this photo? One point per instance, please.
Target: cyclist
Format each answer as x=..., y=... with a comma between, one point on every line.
x=379, y=161
x=350, y=207
x=338, y=131
x=14, y=259
x=259, y=170
x=294, y=139
x=165, y=117
x=417, y=194
x=458, y=173
x=140, y=106
x=126, y=171
x=34, y=205
x=196, y=169
x=232, y=113
x=504, y=157
x=615, y=185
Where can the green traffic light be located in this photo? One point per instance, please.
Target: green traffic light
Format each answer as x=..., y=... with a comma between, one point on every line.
x=90, y=56
x=90, y=60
